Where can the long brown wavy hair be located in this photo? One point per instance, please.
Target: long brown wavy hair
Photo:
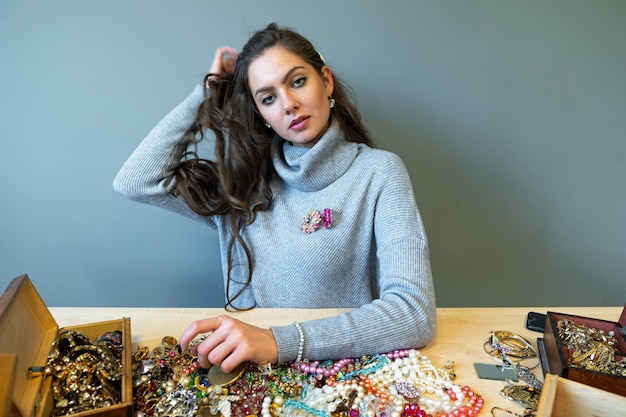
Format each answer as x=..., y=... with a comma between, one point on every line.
x=236, y=184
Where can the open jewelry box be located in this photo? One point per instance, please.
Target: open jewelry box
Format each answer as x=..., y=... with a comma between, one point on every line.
x=556, y=356
x=562, y=397
x=27, y=333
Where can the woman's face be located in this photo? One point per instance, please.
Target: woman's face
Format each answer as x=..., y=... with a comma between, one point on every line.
x=291, y=95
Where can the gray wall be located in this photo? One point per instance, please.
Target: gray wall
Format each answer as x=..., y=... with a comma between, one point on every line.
x=510, y=116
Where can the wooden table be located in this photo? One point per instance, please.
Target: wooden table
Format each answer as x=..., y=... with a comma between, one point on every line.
x=461, y=332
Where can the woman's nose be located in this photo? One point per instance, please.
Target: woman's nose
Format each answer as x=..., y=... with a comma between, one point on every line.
x=290, y=103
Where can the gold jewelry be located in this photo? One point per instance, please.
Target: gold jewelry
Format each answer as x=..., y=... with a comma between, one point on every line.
x=218, y=377
x=449, y=367
x=197, y=341
x=524, y=394
x=158, y=352
x=94, y=369
x=506, y=345
x=510, y=348
x=512, y=344
x=198, y=384
x=143, y=352
x=169, y=343
x=590, y=348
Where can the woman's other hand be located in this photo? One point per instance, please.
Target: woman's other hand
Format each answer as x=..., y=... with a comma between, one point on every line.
x=230, y=343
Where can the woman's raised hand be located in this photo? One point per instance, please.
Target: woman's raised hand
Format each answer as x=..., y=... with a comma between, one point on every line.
x=223, y=60
x=229, y=343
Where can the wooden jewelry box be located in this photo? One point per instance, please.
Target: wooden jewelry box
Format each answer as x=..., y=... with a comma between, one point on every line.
x=27, y=335
x=556, y=357
x=562, y=397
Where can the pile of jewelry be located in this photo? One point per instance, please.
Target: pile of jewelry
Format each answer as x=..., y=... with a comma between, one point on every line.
x=86, y=374
x=511, y=350
x=590, y=348
x=403, y=383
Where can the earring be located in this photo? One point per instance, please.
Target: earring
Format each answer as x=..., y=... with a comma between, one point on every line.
x=267, y=125
x=331, y=102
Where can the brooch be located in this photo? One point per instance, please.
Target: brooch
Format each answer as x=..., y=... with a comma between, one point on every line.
x=314, y=218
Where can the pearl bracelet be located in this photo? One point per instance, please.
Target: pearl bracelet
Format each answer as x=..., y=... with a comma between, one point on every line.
x=301, y=344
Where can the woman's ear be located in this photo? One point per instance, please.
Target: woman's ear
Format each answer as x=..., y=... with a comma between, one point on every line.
x=327, y=78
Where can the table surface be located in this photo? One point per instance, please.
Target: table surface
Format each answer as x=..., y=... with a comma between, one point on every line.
x=461, y=332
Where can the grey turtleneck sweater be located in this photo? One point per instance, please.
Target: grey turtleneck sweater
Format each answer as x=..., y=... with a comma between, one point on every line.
x=374, y=257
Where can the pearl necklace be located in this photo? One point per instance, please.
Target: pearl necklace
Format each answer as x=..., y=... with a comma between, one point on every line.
x=402, y=384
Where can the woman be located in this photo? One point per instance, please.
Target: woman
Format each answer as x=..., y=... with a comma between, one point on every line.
x=309, y=214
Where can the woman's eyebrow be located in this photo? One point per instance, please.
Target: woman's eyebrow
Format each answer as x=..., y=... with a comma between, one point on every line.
x=284, y=80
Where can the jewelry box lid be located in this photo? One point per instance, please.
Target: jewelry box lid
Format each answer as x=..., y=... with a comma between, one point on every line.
x=27, y=330
x=7, y=373
x=622, y=318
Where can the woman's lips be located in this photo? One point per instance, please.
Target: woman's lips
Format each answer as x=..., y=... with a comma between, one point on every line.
x=299, y=123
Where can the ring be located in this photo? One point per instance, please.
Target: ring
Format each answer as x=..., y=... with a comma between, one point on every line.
x=158, y=352
x=201, y=382
x=169, y=343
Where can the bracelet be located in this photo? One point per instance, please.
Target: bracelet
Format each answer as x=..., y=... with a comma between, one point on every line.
x=510, y=348
x=512, y=344
x=301, y=344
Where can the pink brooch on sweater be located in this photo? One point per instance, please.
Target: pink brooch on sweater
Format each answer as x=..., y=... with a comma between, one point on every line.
x=314, y=218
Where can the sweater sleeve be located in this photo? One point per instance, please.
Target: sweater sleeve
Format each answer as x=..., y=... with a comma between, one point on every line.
x=403, y=316
x=146, y=176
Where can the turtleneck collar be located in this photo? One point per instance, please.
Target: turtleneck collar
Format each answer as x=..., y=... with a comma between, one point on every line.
x=312, y=169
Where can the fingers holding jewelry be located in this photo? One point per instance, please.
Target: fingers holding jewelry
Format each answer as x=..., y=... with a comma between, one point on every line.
x=194, y=330
x=201, y=338
x=230, y=343
x=235, y=342
x=215, y=347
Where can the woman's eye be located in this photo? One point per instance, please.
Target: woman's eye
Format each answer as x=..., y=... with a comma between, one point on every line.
x=268, y=100
x=299, y=82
